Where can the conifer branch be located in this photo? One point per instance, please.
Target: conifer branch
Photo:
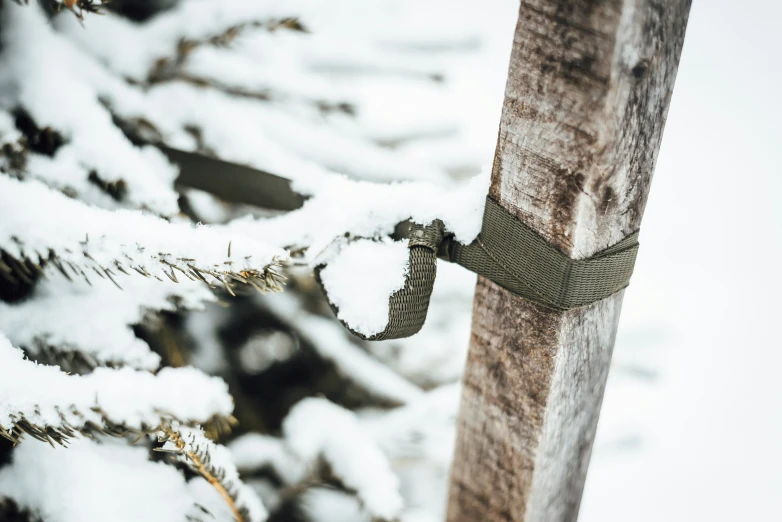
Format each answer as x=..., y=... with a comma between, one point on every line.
x=212, y=462
x=84, y=242
x=44, y=327
x=169, y=68
x=52, y=406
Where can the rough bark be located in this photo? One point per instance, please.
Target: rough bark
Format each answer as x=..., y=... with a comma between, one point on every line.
x=585, y=104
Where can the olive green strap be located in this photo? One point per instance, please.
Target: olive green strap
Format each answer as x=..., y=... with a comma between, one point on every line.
x=515, y=257
x=233, y=182
x=407, y=307
x=506, y=251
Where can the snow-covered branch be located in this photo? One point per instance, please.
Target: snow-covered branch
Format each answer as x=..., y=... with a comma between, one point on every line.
x=43, y=324
x=53, y=406
x=97, y=480
x=350, y=452
x=83, y=241
x=343, y=206
x=58, y=87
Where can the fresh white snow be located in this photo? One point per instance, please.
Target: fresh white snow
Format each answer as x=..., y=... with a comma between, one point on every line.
x=354, y=458
x=46, y=396
x=72, y=230
x=360, y=279
x=122, y=485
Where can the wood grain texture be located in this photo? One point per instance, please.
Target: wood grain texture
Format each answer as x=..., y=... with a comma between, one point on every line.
x=585, y=104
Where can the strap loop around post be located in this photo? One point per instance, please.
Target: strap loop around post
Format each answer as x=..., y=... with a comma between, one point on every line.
x=517, y=258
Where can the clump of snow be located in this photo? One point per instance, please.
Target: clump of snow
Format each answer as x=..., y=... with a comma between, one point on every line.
x=422, y=429
x=254, y=451
x=317, y=428
x=360, y=279
x=91, y=481
x=327, y=505
x=46, y=396
x=264, y=349
x=103, y=331
x=89, y=236
x=418, y=439
x=207, y=352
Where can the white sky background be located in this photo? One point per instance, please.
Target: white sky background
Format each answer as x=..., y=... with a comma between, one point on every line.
x=702, y=311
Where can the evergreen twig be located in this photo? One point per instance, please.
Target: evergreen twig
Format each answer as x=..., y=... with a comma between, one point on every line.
x=196, y=451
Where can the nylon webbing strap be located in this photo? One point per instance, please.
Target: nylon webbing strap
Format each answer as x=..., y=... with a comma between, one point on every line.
x=506, y=251
x=407, y=307
x=515, y=257
x=233, y=182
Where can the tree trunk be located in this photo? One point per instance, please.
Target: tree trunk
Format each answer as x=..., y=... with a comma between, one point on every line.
x=585, y=104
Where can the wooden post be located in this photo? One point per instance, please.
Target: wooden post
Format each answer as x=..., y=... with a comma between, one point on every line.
x=585, y=105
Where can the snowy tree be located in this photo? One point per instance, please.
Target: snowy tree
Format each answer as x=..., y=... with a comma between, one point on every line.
x=167, y=355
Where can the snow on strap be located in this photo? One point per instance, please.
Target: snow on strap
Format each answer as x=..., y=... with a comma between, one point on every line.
x=44, y=396
x=360, y=279
x=38, y=221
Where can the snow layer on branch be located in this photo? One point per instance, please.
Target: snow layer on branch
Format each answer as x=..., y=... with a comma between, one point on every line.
x=330, y=340
x=329, y=505
x=130, y=48
x=318, y=428
x=360, y=279
x=94, y=482
x=401, y=76
x=253, y=451
x=263, y=65
x=101, y=333
x=422, y=429
x=361, y=115
x=52, y=80
x=297, y=146
x=39, y=221
x=215, y=463
x=418, y=440
x=364, y=209
x=44, y=396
